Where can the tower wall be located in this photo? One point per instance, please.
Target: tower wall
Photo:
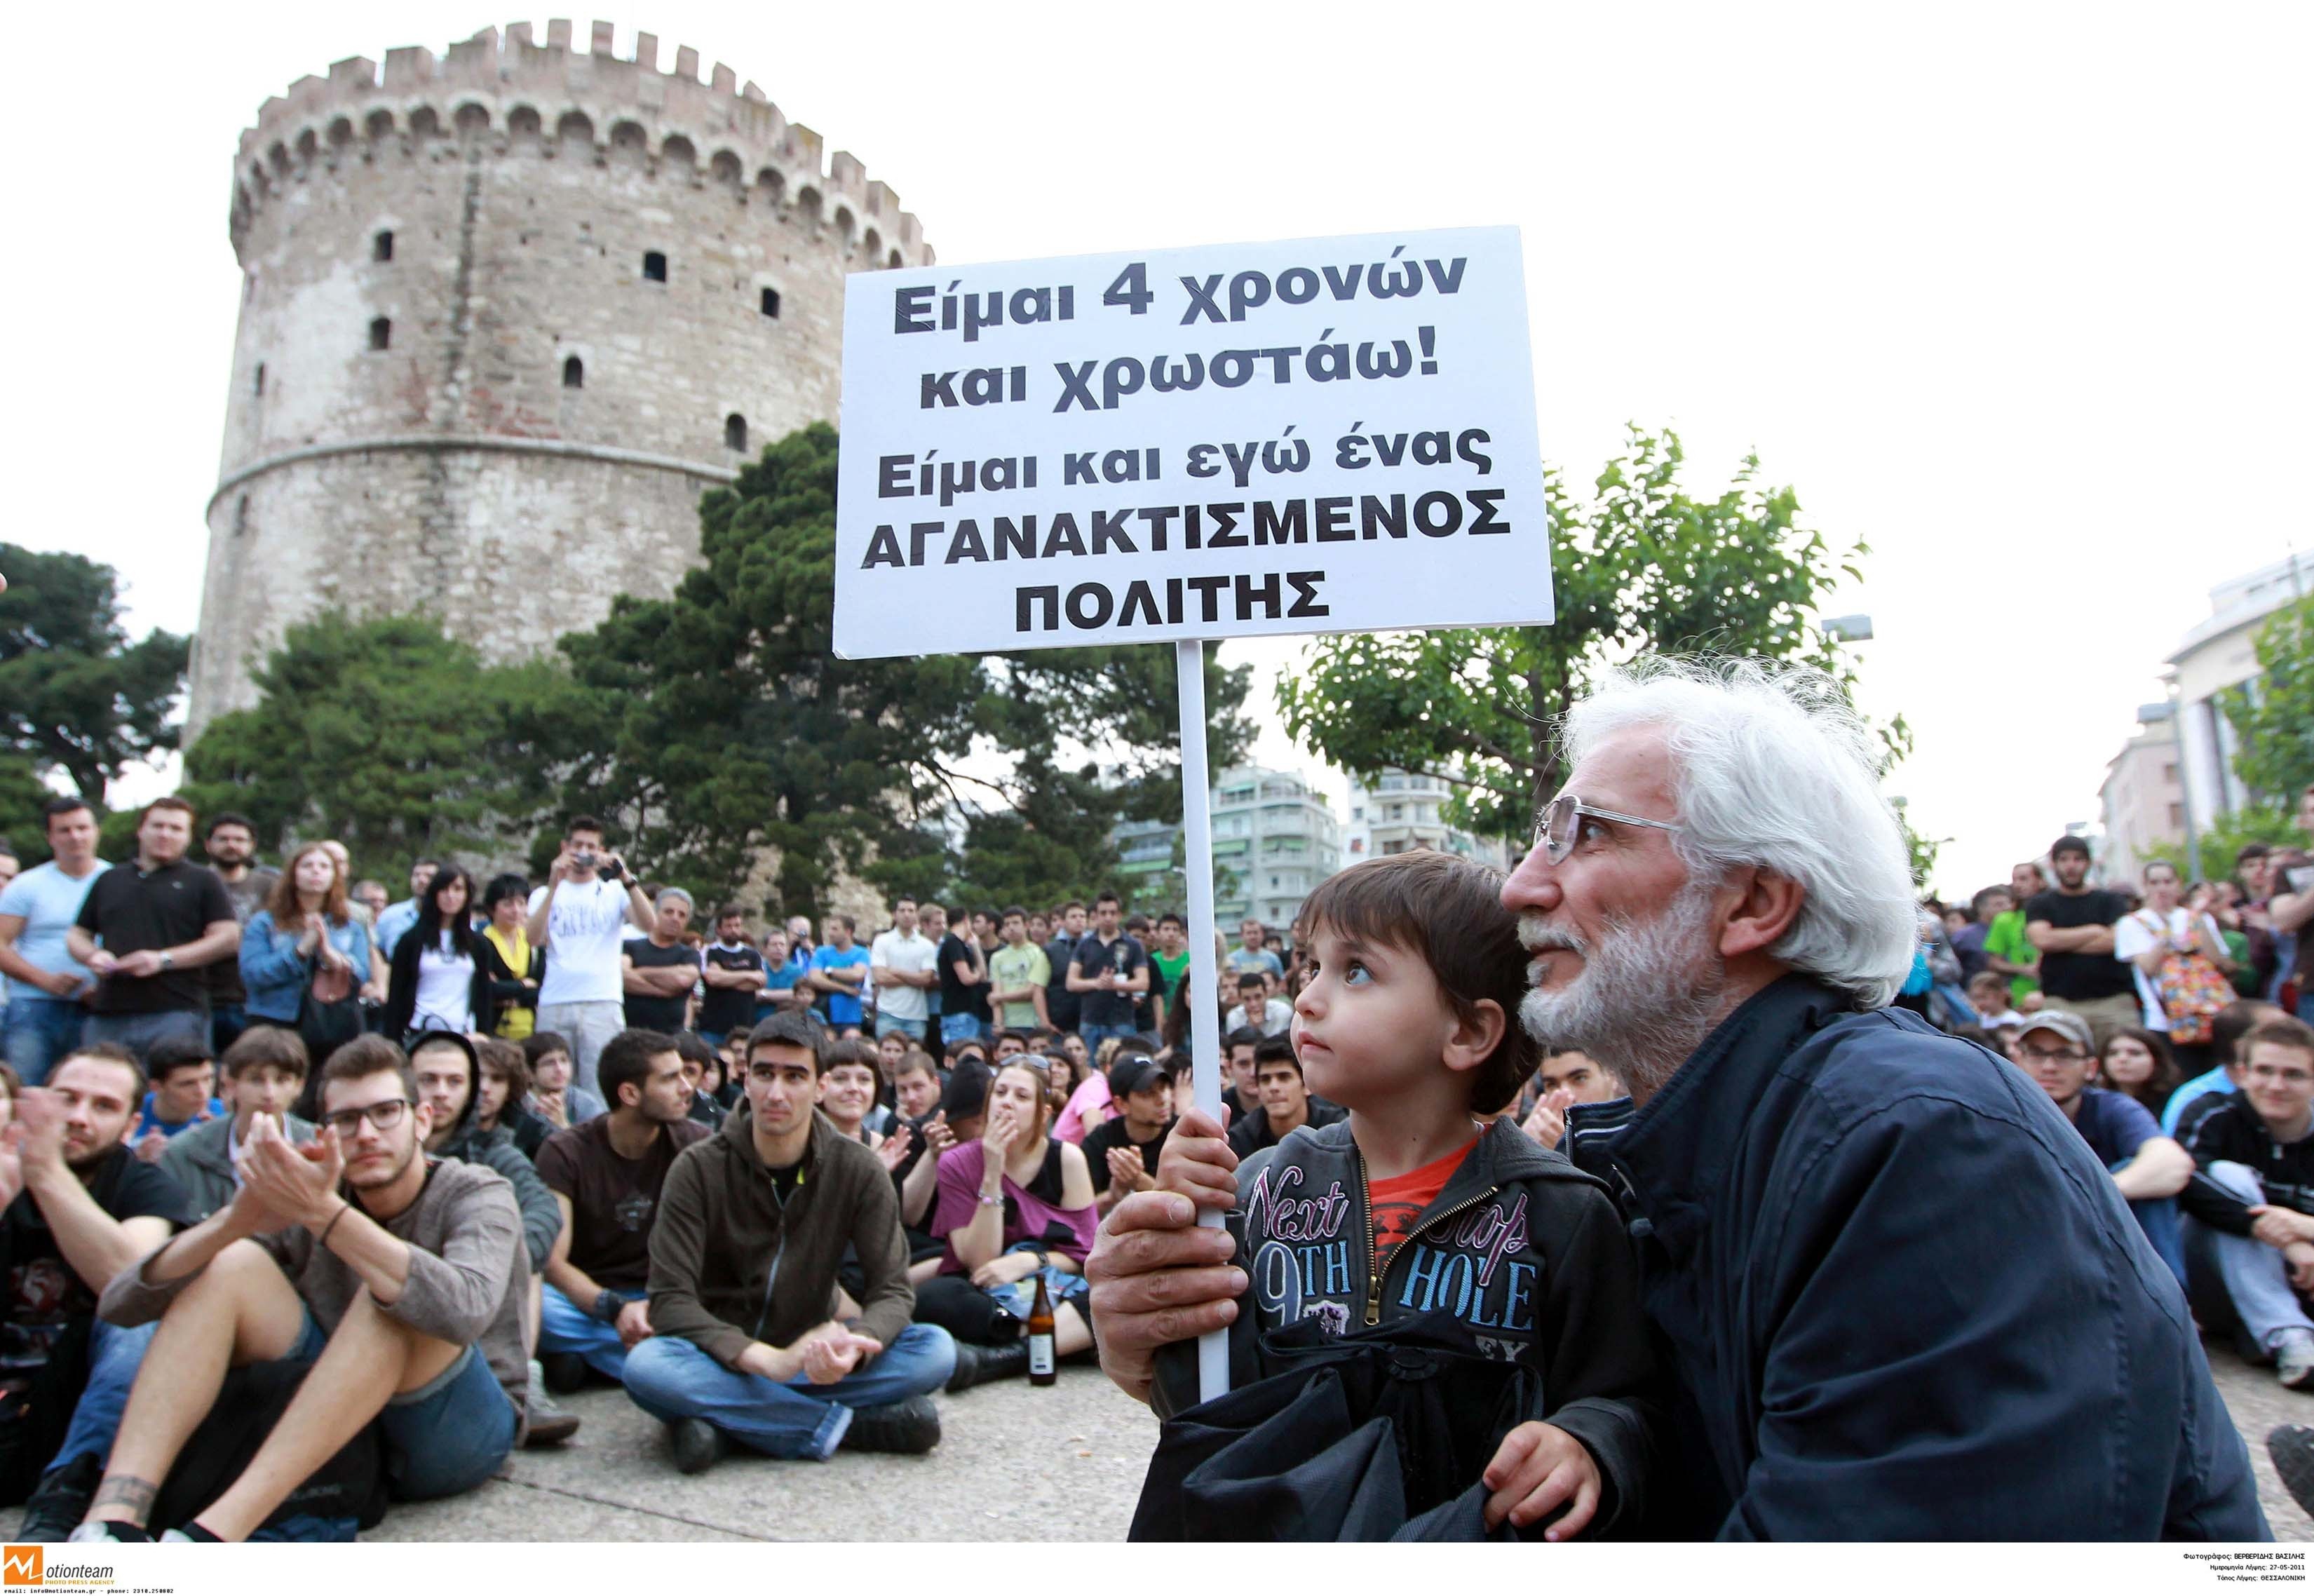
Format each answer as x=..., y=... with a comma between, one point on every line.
x=453, y=469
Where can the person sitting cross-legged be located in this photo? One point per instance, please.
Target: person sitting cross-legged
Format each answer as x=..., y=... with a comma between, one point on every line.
x=396, y=1279
x=606, y=1176
x=729, y=1358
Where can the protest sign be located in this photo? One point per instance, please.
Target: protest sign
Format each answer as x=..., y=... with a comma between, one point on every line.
x=1313, y=436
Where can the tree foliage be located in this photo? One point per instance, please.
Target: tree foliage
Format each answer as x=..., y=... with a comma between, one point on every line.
x=1640, y=566
x=386, y=734
x=76, y=695
x=2273, y=727
x=721, y=722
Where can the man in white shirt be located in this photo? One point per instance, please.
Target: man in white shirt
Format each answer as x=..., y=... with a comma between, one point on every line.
x=902, y=962
x=581, y=918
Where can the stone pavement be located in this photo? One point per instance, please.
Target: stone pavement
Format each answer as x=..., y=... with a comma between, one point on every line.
x=1015, y=1463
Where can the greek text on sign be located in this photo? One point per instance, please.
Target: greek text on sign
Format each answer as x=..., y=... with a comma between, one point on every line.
x=1313, y=435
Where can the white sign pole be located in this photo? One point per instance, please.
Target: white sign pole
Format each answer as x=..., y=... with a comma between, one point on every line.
x=1204, y=978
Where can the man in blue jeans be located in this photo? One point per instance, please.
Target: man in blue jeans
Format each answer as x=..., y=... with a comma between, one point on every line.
x=798, y=1372
x=80, y=1208
x=392, y=1282
x=606, y=1175
x=46, y=983
x=1109, y=973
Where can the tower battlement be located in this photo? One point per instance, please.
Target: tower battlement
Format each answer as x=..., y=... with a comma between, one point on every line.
x=578, y=105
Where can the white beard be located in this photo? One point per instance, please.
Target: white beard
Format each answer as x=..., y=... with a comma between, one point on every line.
x=1648, y=994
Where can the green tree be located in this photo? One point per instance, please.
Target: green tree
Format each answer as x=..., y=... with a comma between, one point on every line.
x=1054, y=844
x=1640, y=566
x=2273, y=724
x=76, y=695
x=388, y=735
x=2274, y=823
x=720, y=722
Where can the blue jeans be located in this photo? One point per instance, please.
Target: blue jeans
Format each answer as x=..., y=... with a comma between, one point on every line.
x=450, y=1434
x=1095, y=1035
x=963, y=1027
x=226, y=1022
x=670, y=1379
x=138, y=1032
x=885, y=1023
x=41, y=1029
x=114, y=1356
x=564, y=1327
x=2158, y=1218
x=2241, y=1272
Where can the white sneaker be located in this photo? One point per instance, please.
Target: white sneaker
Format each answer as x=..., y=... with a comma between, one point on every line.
x=2293, y=1359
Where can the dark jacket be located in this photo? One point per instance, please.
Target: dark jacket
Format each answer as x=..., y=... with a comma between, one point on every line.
x=494, y=1149
x=722, y=1241
x=201, y=1161
x=1248, y=1133
x=1904, y=1302
x=402, y=985
x=502, y=984
x=2231, y=1132
x=1524, y=1250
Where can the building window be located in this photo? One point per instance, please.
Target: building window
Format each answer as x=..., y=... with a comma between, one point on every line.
x=771, y=303
x=574, y=373
x=654, y=267
x=257, y=383
x=2168, y=772
x=381, y=333
x=381, y=248
x=735, y=433
x=2177, y=817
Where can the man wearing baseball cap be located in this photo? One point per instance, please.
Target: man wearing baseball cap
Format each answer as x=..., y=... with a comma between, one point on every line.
x=1122, y=1152
x=2149, y=1168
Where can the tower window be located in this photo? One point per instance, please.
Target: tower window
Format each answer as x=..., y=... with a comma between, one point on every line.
x=735, y=433
x=257, y=383
x=654, y=267
x=771, y=303
x=381, y=248
x=240, y=516
x=574, y=373
x=381, y=333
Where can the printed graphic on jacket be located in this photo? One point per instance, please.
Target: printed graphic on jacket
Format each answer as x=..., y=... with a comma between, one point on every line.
x=1309, y=1260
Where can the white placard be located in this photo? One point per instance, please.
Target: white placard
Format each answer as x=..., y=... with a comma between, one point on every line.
x=1310, y=436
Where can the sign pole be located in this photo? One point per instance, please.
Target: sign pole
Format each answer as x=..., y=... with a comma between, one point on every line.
x=1203, y=977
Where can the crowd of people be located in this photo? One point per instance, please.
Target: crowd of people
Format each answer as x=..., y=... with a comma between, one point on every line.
x=455, y=1155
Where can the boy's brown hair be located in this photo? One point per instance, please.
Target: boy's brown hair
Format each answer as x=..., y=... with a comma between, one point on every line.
x=2281, y=1031
x=364, y=1057
x=505, y=1058
x=266, y=1045
x=1450, y=911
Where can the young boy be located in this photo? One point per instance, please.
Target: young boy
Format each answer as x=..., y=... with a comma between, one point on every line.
x=1409, y=1020
x=183, y=1072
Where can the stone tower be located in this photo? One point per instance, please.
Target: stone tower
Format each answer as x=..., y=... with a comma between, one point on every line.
x=504, y=316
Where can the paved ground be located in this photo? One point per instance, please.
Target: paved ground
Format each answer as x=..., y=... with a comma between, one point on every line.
x=1015, y=1462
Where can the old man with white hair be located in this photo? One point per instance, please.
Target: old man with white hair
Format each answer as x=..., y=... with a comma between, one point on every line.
x=1901, y=1300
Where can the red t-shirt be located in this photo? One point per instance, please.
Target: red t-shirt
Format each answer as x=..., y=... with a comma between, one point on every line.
x=1399, y=1200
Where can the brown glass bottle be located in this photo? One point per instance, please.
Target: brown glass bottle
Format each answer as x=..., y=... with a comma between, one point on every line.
x=1041, y=1370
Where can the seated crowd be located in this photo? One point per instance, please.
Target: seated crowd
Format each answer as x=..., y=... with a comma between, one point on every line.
x=462, y=1153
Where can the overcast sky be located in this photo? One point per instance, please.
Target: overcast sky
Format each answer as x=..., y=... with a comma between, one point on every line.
x=2018, y=295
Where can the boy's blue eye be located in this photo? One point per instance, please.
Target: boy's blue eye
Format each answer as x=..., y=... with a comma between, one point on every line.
x=1356, y=974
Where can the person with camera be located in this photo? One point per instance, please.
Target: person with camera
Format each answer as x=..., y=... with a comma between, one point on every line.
x=581, y=917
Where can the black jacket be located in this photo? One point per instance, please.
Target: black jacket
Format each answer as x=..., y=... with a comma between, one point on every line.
x=502, y=983
x=1248, y=1133
x=1524, y=1251
x=1904, y=1302
x=2231, y=1132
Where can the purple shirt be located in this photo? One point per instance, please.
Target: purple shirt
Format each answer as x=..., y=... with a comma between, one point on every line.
x=1028, y=1217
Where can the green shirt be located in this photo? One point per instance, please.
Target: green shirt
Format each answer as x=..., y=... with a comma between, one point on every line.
x=1170, y=968
x=1010, y=968
x=2005, y=939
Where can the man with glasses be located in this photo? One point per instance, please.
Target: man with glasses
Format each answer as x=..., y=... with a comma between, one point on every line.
x=1826, y=1195
x=391, y=1285
x=2149, y=1169
x=2249, y=1210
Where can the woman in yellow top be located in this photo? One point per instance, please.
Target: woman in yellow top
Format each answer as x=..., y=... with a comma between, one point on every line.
x=512, y=965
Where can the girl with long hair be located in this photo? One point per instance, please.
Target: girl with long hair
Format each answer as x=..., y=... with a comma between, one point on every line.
x=439, y=980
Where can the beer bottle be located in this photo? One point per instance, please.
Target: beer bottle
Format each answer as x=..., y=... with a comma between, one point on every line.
x=1041, y=1371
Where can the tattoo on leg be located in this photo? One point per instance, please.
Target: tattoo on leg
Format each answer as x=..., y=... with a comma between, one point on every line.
x=131, y=1496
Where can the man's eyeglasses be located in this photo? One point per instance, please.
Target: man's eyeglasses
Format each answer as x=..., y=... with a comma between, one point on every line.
x=385, y=1115
x=2060, y=1055
x=1562, y=820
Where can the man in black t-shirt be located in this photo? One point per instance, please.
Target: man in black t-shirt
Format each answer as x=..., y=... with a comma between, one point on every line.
x=1122, y=1152
x=963, y=969
x=605, y=1176
x=148, y=930
x=2072, y=926
x=1109, y=972
x=659, y=970
x=734, y=974
x=81, y=1207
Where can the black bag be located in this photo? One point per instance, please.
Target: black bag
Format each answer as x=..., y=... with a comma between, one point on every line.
x=326, y=1024
x=33, y=1421
x=349, y=1486
x=1377, y=1435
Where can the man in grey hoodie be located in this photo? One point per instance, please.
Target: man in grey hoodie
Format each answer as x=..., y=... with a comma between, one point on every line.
x=398, y=1280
